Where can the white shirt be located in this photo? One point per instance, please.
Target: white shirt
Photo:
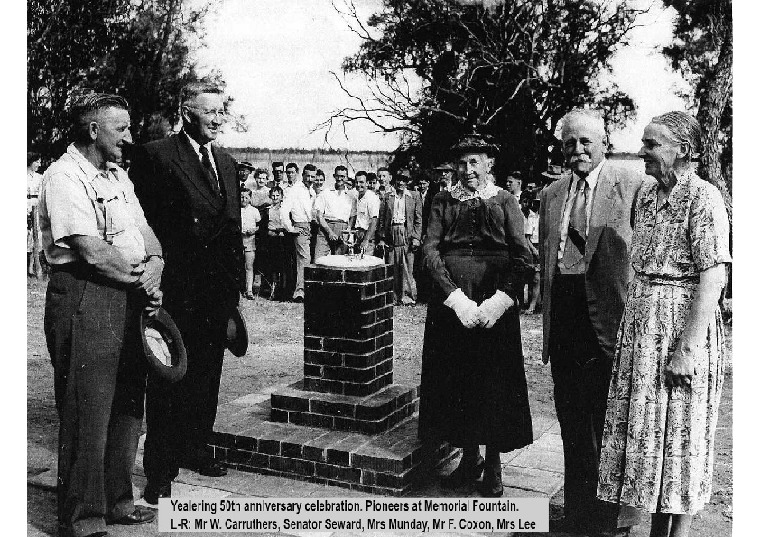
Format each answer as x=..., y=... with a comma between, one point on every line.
x=531, y=226
x=76, y=198
x=336, y=205
x=367, y=208
x=297, y=205
x=197, y=148
x=399, y=206
x=591, y=180
x=250, y=218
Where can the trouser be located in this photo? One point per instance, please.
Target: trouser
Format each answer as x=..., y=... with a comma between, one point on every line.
x=401, y=257
x=323, y=246
x=581, y=372
x=360, y=234
x=313, y=240
x=99, y=378
x=180, y=416
x=301, y=247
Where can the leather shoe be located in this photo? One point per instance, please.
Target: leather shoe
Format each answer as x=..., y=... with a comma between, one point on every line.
x=208, y=467
x=141, y=515
x=492, y=486
x=153, y=492
x=464, y=474
x=619, y=532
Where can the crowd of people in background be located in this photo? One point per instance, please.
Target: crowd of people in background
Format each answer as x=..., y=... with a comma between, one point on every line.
x=292, y=218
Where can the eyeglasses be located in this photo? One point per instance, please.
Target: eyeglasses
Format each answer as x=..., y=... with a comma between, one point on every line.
x=221, y=114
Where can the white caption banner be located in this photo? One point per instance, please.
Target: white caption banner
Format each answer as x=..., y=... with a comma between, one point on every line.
x=353, y=514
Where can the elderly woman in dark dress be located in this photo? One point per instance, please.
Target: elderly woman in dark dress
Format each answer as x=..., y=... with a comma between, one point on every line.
x=667, y=377
x=473, y=388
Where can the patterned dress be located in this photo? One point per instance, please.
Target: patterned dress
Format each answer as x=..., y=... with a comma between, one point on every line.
x=658, y=444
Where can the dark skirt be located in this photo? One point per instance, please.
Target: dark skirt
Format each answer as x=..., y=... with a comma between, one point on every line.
x=473, y=388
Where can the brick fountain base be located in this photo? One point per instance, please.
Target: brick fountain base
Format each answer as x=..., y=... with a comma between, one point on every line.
x=345, y=423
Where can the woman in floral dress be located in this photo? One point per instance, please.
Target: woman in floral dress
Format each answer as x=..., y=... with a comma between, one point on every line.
x=662, y=408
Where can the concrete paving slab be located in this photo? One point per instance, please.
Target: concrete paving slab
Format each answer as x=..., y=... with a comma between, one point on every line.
x=532, y=479
x=540, y=458
x=250, y=399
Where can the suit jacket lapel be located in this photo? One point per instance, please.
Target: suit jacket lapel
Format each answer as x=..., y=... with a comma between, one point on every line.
x=227, y=176
x=600, y=209
x=556, y=202
x=190, y=164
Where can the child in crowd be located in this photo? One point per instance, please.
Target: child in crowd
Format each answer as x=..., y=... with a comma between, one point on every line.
x=275, y=244
x=250, y=218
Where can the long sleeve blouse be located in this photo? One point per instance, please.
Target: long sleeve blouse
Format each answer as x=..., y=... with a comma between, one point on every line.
x=474, y=226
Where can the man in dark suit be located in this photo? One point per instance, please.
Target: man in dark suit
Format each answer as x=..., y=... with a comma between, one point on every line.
x=401, y=228
x=585, y=233
x=191, y=198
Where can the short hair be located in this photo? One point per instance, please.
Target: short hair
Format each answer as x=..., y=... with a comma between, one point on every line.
x=259, y=171
x=517, y=174
x=360, y=172
x=291, y=165
x=245, y=190
x=32, y=156
x=371, y=176
x=277, y=164
x=310, y=168
x=193, y=89
x=340, y=167
x=586, y=113
x=85, y=106
x=383, y=169
x=683, y=129
x=275, y=189
x=320, y=172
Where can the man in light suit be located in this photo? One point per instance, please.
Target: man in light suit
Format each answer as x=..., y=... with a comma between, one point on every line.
x=585, y=233
x=401, y=228
x=191, y=198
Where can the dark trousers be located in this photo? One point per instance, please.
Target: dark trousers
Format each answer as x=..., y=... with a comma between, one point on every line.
x=581, y=374
x=99, y=378
x=180, y=416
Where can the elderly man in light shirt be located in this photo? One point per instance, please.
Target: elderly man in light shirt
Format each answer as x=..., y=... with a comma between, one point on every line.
x=367, y=213
x=336, y=212
x=296, y=217
x=106, y=268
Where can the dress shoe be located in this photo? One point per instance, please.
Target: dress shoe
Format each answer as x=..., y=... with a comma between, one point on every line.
x=619, y=532
x=208, y=467
x=464, y=474
x=153, y=492
x=492, y=486
x=141, y=515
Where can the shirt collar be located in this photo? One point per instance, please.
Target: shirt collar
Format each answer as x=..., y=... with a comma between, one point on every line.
x=88, y=167
x=592, y=178
x=196, y=145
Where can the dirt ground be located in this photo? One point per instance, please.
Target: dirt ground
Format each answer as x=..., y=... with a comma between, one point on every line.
x=275, y=356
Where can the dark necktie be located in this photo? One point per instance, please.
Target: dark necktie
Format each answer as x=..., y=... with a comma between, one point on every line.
x=209, y=169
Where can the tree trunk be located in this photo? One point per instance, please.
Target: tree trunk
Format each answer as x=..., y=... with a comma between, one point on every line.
x=711, y=106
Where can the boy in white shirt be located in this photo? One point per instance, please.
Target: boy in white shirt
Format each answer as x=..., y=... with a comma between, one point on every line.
x=250, y=218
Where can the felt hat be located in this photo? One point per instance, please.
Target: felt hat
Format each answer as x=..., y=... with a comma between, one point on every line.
x=237, y=334
x=163, y=346
x=554, y=172
x=474, y=143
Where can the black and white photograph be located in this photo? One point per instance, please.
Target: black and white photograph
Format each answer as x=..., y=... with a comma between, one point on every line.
x=361, y=256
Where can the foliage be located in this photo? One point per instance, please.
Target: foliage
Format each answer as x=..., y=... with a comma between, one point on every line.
x=703, y=52
x=141, y=49
x=506, y=69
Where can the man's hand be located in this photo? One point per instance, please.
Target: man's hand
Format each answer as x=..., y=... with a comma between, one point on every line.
x=150, y=279
x=363, y=246
x=154, y=302
x=415, y=244
x=681, y=368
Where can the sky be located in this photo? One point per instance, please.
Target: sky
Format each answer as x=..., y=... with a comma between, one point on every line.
x=277, y=57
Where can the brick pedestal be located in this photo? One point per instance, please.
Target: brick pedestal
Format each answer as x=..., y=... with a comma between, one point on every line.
x=345, y=423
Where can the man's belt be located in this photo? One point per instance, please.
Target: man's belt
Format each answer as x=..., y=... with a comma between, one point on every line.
x=335, y=221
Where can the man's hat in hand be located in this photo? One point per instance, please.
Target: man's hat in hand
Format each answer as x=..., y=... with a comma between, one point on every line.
x=163, y=346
